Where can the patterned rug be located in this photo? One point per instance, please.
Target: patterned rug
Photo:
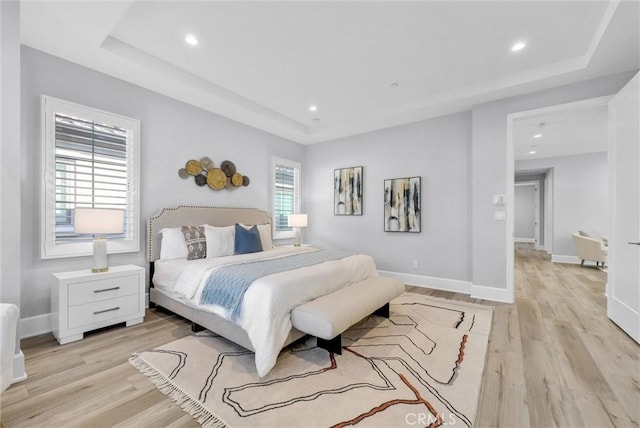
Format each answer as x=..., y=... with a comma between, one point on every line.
x=422, y=367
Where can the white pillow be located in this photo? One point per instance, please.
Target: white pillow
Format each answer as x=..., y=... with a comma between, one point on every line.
x=265, y=234
x=220, y=240
x=172, y=245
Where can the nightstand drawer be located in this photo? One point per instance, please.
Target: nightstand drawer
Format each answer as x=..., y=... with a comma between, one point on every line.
x=102, y=289
x=92, y=313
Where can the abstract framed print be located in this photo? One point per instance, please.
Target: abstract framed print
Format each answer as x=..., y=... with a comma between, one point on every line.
x=348, y=188
x=402, y=204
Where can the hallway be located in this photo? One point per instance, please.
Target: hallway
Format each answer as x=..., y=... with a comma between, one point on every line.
x=555, y=359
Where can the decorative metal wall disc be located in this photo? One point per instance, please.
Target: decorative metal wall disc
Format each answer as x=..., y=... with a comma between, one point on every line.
x=236, y=179
x=193, y=167
x=228, y=167
x=216, y=179
x=201, y=180
x=206, y=163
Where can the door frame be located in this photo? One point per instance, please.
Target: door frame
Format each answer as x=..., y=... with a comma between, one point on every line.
x=536, y=209
x=510, y=168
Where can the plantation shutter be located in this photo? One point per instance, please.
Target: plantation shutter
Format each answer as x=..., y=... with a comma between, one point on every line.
x=286, y=195
x=91, y=171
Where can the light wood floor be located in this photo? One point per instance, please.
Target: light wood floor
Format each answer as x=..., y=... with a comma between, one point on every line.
x=554, y=359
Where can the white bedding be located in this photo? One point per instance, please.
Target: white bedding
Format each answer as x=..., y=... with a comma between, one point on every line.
x=267, y=304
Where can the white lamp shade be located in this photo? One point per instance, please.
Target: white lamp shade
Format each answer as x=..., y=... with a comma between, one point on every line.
x=297, y=220
x=98, y=220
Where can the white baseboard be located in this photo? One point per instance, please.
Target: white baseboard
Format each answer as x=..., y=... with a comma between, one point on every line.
x=444, y=284
x=453, y=285
x=41, y=324
x=559, y=258
x=34, y=326
x=19, y=374
x=491, y=293
x=525, y=240
x=627, y=318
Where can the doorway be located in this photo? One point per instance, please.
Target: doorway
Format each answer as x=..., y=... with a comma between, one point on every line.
x=553, y=141
x=526, y=212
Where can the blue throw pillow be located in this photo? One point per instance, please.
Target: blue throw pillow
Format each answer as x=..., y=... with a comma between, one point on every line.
x=247, y=241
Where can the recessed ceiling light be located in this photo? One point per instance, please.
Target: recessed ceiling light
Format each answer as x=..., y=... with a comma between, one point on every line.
x=316, y=119
x=518, y=46
x=537, y=136
x=313, y=108
x=395, y=84
x=532, y=152
x=191, y=39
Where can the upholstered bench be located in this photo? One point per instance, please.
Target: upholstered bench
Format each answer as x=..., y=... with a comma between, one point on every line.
x=328, y=316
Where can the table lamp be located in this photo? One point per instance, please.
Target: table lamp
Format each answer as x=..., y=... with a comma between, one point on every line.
x=99, y=221
x=297, y=221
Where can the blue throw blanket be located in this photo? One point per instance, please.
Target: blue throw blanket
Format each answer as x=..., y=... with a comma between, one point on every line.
x=226, y=285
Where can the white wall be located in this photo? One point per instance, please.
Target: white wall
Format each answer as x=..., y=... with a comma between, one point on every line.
x=580, y=196
x=9, y=152
x=524, y=197
x=10, y=187
x=436, y=150
x=171, y=133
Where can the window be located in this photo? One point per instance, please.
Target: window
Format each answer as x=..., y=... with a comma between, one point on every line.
x=286, y=196
x=90, y=161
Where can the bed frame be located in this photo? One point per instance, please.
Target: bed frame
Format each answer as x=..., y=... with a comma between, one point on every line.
x=196, y=215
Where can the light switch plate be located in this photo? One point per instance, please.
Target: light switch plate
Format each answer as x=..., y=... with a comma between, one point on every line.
x=499, y=216
x=498, y=199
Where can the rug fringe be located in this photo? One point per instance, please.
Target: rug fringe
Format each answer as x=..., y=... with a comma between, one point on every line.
x=188, y=404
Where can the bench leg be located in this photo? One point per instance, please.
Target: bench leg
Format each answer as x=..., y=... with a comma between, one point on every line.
x=332, y=345
x=196, y=327
x=383, y=311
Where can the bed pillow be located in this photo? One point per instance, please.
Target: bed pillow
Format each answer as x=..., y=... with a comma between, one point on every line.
x=195, y=241
x=247, y=240
x=172, y=245
x=220, y=240
x=265, y=235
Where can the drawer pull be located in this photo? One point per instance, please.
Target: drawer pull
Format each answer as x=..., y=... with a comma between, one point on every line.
x=106, y=289
x=106, y=310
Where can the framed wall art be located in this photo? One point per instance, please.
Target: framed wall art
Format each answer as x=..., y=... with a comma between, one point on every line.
x=402, y=204
x=348, y=187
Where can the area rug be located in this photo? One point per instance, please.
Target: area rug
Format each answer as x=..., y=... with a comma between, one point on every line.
x=421, y=367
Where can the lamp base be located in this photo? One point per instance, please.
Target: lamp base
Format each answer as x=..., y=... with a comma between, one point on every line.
x=99, y=255
x=296, y=243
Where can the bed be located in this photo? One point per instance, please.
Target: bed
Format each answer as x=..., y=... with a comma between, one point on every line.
x=178, y=284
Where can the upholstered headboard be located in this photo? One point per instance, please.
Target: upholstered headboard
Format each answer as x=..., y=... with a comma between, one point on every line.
x=191, y=215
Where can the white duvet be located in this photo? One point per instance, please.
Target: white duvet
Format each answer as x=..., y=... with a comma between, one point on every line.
x=267, y=304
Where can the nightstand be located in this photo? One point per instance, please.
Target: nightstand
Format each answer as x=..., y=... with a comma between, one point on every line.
x=82, y=301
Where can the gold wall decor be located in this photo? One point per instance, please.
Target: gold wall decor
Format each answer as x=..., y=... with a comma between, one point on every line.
x=205, y=172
